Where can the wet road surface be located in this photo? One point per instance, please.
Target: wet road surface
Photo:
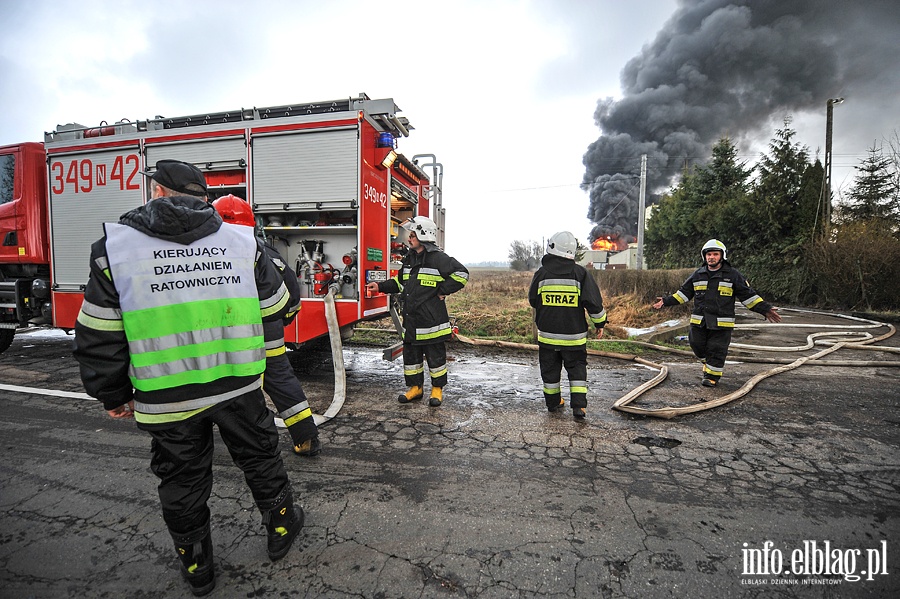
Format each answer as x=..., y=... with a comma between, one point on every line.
x=486, y=496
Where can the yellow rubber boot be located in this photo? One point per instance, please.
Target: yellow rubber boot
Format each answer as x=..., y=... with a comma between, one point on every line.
x=437, y=396
x=413, y=394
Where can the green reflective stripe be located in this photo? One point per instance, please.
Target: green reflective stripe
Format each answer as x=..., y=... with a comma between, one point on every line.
x=166, y=418
x=413, y=369
x=192, y=405
x=725, y=323
x=100, y=324
x=680, y=297
x=100, y=312
x=207, y=375
x=294, y=410
x=696, y=319
x=276, y=303
x=191, y=316
x=713, y=371
x=439, y=371
x=427, y=277
x=459, y=279
x=559, y=288
x=598, y=318
x=551, y=390
x=574, y=389
x=433, y=332
x=752, y=301
x=304, y=414
x=563, y=282
x=139, y=346
x=562, y=342
x=276, y=351
x=194, y=355
x=700, y=285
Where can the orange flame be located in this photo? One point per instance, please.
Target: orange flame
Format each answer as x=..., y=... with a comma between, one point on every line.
x=610, y=243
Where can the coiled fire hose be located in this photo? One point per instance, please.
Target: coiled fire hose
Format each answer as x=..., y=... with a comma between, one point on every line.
x=863, y=341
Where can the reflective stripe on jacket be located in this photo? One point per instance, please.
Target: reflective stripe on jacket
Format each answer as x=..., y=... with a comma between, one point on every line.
x=190, y=313
x=714, y=293
x=425, y=277
x=561, y=291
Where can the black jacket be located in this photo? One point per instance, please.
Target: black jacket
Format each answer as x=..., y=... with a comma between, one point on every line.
x=714, y=293
x=423, y=278
x=560, y=292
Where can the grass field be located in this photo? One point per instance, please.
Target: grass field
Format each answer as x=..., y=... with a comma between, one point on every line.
x=494, y=305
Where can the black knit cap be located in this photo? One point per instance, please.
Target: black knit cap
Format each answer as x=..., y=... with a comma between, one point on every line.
x=178, y=176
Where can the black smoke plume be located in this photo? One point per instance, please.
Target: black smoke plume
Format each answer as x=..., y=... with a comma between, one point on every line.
x=730, y=68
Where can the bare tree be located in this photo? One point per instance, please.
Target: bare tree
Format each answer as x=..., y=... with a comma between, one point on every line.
x=524, y=255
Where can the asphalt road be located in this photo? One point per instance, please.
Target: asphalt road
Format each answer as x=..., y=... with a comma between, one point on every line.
x=489, y=495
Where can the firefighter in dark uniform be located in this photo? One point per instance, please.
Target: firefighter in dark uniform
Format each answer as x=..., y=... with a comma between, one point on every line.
x=171, y=334
x=714, y=287
x=426, y=277
x=560, y=293
x=279, y=380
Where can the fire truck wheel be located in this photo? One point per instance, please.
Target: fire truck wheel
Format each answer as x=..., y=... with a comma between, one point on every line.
x=6, y=338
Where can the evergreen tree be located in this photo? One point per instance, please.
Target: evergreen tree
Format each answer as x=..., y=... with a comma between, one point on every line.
x=874, y=195
x=776, y=195
x=698, y=209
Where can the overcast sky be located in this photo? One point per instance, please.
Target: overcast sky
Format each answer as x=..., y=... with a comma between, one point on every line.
x=503, y=92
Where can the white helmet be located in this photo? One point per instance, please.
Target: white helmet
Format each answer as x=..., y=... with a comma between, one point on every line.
x=563, y=244
x=423, y=227
x=713, y=244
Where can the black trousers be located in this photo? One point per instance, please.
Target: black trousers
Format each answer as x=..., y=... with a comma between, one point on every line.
x=414, y=357
x=575, y=360
x=711, y=346
x=283, y=387
x=182, y=458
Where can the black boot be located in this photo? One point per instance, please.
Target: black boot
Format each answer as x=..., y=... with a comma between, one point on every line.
x=283, y=521
x=195, y=551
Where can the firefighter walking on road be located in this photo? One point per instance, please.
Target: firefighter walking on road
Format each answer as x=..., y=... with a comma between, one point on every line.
x=171, y=334
x=560, y=293
x=714, y=287
x=426, y=277
x=279, y=380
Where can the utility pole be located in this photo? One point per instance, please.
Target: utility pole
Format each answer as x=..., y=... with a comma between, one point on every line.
x=826, y=201
x=642, y=202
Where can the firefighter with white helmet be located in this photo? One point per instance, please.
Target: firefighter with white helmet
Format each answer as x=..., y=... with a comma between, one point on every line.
x=560, y=293
x=279, y=379
x=714, y=287
x=426, y=276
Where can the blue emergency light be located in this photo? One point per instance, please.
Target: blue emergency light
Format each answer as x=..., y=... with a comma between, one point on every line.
x=385, y=140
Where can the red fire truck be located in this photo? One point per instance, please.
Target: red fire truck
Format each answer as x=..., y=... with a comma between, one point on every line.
x=325, y=179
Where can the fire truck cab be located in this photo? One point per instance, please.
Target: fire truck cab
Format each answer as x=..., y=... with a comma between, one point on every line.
x=326, y=182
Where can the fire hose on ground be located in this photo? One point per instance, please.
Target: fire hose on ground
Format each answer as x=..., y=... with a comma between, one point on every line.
x=863, y=341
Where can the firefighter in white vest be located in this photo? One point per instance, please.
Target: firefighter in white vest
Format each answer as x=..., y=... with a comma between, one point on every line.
x=171, y=334
x=714, y=287
x=560, y=293
x=279, y=380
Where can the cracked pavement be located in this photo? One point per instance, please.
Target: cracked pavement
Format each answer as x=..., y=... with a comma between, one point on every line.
x=487, y=496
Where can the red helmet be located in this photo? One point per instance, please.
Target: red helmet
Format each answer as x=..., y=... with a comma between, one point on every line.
x=235, y=211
